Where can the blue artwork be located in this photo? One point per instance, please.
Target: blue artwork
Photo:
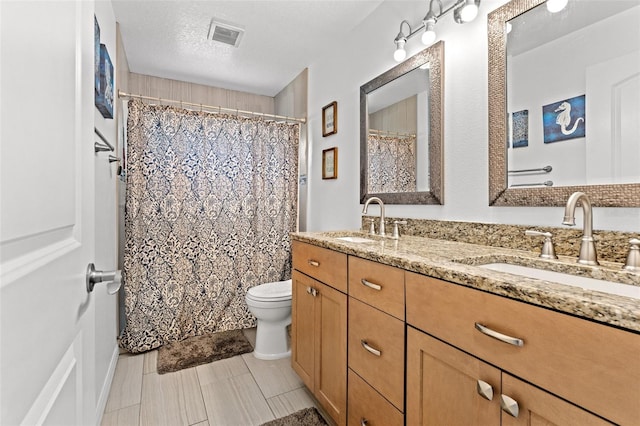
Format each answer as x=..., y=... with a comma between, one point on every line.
x=520, y=128
x=104, y=100
x=96, y=57
x=564, y=120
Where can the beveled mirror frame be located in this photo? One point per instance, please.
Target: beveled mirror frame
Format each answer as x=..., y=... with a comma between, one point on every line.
x=434, y=56
x=613, y=195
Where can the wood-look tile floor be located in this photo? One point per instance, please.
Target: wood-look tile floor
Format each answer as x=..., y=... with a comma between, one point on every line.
x=238, y=391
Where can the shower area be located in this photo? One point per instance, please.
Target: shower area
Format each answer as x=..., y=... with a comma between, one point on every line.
x=208, y=199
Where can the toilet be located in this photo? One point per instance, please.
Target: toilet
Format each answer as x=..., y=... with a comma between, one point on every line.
x=270, y=303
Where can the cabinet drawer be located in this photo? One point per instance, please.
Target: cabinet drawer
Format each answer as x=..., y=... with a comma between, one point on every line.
x=381, y=333
x=366, y=406
x=378, y=285
x=327, y=266
x=592, y=365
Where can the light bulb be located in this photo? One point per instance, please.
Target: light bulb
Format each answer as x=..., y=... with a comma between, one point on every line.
x=399, y=54
x=554, y=6
x=469, y=11
x=428, y=38
x=429, y=35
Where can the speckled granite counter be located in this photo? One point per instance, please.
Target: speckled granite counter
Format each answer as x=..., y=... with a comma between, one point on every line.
x=458, y=262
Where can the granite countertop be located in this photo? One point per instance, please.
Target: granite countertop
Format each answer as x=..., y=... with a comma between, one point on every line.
x=458, y=262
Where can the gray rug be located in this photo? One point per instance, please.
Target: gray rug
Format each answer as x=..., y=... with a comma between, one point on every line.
x=199, y=350
x=306, y=417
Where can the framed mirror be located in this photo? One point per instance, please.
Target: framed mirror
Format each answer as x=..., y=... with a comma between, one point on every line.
x=541, y=64
x=401, y=131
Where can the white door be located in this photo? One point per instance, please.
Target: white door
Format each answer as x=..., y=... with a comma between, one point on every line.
x=47, y=212
x=613, y=96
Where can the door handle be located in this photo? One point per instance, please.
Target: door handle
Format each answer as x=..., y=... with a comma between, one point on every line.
x=112, y=278
x=509, y=405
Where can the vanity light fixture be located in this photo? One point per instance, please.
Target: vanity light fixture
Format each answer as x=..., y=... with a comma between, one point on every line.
x=463, y=11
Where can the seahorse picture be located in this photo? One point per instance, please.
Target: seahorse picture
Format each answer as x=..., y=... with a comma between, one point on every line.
x=564, y=120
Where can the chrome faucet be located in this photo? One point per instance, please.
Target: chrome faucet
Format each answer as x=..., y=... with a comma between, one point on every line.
x=379, y=201
x=588, y=255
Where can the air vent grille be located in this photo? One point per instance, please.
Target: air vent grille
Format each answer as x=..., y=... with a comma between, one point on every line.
x=225, y=32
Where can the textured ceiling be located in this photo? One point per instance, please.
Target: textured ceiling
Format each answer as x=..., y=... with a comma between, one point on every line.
x=169, y=39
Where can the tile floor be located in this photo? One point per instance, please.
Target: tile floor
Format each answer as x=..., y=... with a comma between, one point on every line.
x=238, y=391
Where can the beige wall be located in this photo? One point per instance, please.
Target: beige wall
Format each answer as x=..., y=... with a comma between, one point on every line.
x=399, y=117
x=147, y=85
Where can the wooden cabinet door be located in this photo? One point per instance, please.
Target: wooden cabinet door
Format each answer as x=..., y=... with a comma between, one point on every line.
x=303, y=328
x=331, y=341
x=442, y=385
x=539, y=408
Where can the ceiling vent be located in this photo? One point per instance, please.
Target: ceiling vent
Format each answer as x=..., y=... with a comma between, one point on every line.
x=225, y=32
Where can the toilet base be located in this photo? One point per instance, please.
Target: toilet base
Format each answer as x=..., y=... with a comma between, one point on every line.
x=272, y=340
x=271, y=357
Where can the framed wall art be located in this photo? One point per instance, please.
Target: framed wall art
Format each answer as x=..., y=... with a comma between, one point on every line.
x=96, y=56
x=564, y=120
x=520, y=128
x=104, y=97
x=330, y=119
x=330, y=163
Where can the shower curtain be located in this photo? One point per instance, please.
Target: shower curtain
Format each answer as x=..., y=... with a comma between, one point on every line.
x=392, y=163
x=210, y=202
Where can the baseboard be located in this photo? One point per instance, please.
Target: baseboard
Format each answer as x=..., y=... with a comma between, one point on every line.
x=106, y=386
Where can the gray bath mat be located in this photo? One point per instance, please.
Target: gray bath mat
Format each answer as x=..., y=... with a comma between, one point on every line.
x=307, y=417
x=203, y=349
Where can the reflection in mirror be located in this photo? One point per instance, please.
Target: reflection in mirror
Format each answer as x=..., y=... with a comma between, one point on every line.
x=397, y=141
x=401, y=132
x=564, y=97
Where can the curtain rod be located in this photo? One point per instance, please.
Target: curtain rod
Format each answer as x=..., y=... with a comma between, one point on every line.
x=122, y=94
x=389, y=133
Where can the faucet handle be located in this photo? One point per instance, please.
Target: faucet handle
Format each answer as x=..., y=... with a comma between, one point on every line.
x=372, y=226
x=395, y=235
x=548, y=252
x=633, y=258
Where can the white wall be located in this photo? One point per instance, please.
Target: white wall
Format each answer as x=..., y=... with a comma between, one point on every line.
x=334, y=204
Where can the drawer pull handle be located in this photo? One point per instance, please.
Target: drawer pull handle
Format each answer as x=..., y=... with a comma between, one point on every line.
x=363, y=422
x=369, y=348
x=312, y=291
x=313, y=263
x=502, y=337
x=509, y=405
x=369, y=284
x=485, y=390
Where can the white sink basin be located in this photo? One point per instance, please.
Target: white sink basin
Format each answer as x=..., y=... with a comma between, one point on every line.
x=626, y=290
x=356, y=240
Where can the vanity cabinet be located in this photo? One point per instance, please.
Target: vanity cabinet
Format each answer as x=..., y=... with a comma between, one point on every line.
x=592, y=366
x=376, y=343
x=319, y=325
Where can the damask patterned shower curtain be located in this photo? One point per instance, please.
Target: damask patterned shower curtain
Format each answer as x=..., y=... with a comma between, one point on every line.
x=392, y=163
x=210, y=202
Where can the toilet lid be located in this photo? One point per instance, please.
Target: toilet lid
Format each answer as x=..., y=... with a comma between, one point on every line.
x=277, y=291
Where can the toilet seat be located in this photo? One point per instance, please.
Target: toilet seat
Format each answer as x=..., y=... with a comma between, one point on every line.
x=271, y=292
